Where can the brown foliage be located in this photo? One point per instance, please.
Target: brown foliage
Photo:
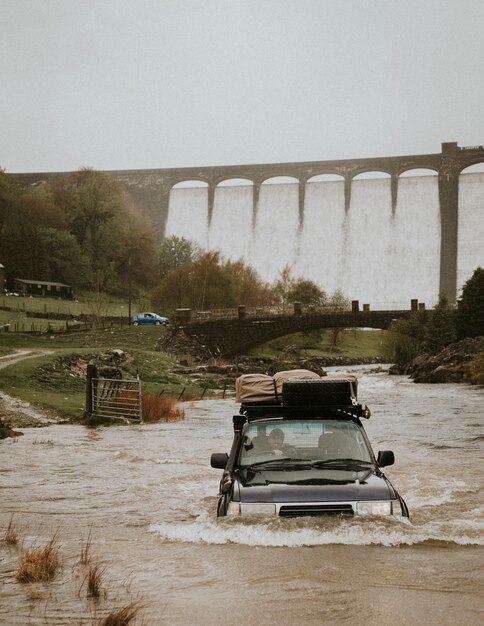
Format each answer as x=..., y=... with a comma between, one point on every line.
x=39, y=564
x=10, y=536
x=210, y=282
x=123, y=616
x=161, y=409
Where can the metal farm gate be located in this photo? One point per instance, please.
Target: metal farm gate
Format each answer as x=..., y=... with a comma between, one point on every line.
x=116, y=398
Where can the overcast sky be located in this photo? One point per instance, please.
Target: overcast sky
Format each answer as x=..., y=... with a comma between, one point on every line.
x=122, y=84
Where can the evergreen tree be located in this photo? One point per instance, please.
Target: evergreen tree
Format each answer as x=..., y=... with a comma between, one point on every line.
x=405, y=338
x=470, y=307
x=440, y=328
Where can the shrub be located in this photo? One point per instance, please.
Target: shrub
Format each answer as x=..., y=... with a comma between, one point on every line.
x=161, y=409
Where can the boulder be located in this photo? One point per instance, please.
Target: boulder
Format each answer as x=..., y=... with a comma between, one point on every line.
x=447, y=366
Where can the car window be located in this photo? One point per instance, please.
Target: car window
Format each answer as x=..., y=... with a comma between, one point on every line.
x=312, y=439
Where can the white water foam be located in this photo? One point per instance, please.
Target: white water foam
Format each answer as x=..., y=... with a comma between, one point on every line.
x=296, y=533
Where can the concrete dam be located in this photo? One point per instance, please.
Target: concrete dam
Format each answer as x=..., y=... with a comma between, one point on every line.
x=381, y=241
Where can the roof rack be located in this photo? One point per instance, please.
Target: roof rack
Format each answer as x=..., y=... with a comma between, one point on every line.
x=258, y=410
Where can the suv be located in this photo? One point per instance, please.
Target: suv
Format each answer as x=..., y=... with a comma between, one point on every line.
x=305, y=454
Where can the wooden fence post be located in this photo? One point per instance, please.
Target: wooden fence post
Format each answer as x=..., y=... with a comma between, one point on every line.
x=90, y=375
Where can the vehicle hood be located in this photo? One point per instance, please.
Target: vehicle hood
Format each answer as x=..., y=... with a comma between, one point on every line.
x=374, y=487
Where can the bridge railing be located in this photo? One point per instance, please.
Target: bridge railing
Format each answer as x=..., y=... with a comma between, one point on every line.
x=187, y=316
x=243, y=312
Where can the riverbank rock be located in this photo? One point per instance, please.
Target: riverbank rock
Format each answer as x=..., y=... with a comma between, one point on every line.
x=454, y=364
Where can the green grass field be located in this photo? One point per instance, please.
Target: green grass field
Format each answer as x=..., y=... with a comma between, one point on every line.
x=352, y=343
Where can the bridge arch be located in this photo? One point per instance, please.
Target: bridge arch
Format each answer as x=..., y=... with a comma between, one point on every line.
x=235, y=182
x=326, y=177
x=409, y=172
x=228, y=337
x=371, y=174
x=279, y=180
x=190, y=183
x=475, y=168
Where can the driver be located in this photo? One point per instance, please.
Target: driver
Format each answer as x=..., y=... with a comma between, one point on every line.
x=276, y=442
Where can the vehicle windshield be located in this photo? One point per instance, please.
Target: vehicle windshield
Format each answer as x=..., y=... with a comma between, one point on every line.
x=320, y=443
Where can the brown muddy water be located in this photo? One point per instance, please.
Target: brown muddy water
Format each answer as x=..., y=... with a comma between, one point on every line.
x=148, y=495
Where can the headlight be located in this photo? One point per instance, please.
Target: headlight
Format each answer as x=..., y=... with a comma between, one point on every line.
x=374, y=508
x=240, y=508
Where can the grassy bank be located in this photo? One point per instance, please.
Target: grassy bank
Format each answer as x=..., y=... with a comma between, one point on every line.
x=56, y=380
x=351, y=343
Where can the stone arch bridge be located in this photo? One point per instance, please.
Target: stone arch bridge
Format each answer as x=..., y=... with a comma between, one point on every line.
x=229, y=336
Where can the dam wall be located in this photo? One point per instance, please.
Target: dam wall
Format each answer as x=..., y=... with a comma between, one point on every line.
x=379, y=240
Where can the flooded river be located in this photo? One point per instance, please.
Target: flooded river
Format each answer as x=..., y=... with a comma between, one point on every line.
x=148, y=495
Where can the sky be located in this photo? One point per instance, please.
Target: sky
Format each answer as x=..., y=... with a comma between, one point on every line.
x=136, y=84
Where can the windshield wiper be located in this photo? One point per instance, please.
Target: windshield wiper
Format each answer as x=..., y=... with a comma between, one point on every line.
x=346, y=463
x=271, y=462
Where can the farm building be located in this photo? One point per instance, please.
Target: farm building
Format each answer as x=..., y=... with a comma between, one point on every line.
x=44, y=288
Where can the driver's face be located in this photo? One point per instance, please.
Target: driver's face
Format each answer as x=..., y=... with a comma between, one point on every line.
x=276, y=439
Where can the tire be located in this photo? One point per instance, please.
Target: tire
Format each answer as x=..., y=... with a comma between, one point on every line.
x=135, y=323
x=221, y=507
x=157, y=323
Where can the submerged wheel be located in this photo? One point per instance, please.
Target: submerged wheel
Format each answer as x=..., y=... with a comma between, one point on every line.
x=221, y=507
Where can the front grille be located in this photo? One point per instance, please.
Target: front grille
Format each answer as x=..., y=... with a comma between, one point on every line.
x=295, y=510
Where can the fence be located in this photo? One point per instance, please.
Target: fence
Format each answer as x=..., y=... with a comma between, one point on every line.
x=113, y=398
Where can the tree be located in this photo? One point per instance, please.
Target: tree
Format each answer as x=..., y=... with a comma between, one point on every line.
x=339, y=301
x=91, y=200
x=7, y=193
x=289, y=290
x=210, y=282
x=405, y=338
x=175, y=252
x=470, y=307
x=65, y=260
x=36, y=211
x=306, y=292
x=440, y=327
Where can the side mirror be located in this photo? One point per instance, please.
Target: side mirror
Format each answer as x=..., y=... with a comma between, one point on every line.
x=385, y=457
x=219, y=460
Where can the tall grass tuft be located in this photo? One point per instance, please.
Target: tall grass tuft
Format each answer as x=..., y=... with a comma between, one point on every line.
x=10, y=536
x=95, y=580
x=123, y=616
x=161, y=409
x=85, y=549
x=39, y=564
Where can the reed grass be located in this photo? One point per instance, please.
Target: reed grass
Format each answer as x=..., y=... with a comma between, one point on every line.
x=86, y=548
x=160, y=409
x=39, y=564
x=10, y=536
x=123, y=616
x=95, y=577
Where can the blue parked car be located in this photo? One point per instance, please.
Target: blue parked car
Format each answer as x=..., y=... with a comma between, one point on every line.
x=149, y=318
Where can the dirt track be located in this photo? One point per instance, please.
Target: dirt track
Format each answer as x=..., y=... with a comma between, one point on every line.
x=19, y=413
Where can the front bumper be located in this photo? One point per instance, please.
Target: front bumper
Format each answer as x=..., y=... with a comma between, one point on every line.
x=316, y=509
